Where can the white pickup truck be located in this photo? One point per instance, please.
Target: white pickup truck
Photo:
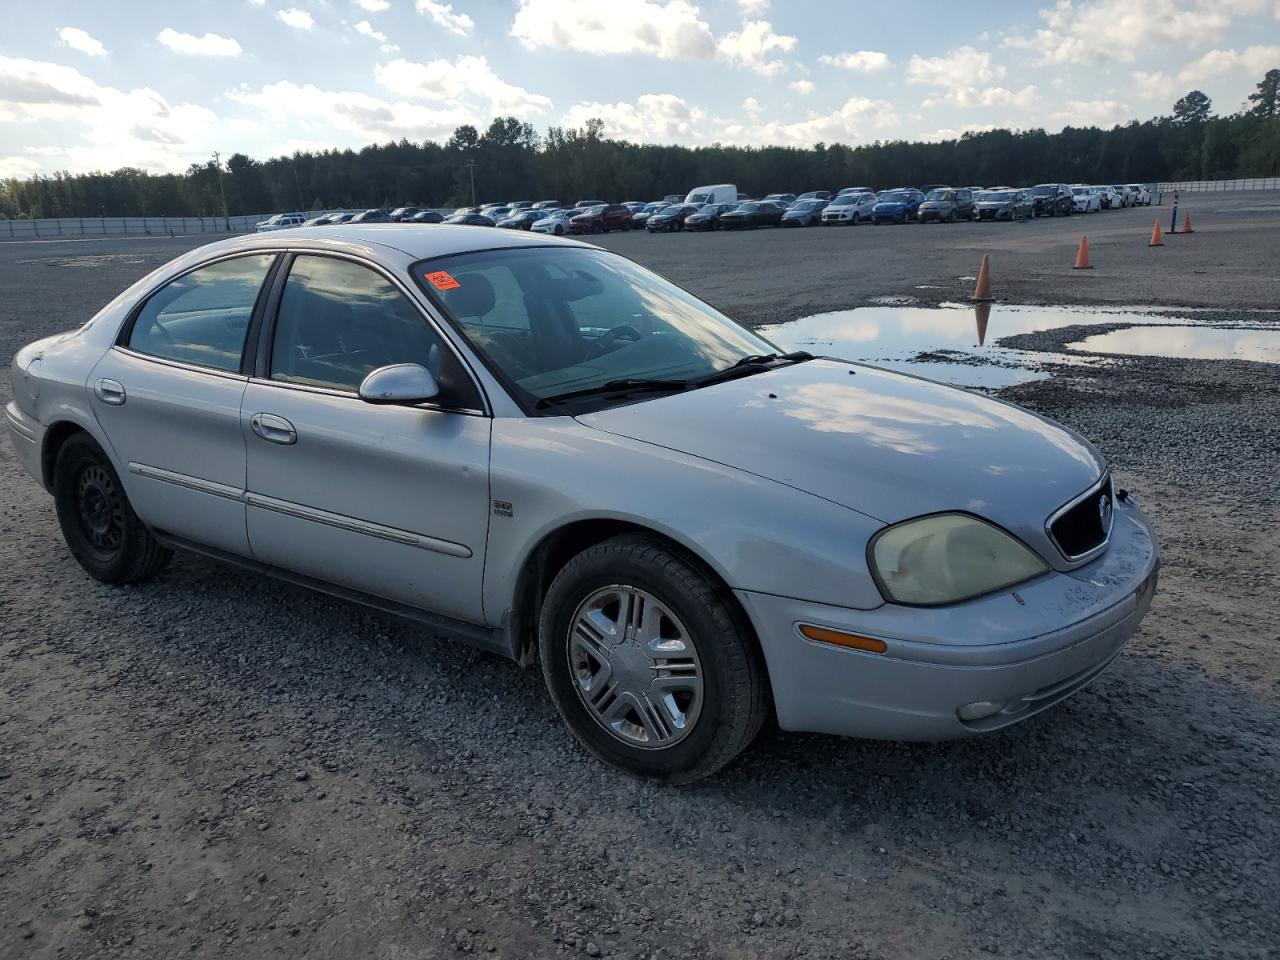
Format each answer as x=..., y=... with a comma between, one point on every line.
x=281, y=221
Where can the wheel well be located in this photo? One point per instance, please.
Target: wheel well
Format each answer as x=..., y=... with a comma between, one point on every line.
x=558, y=548
x=54, y=438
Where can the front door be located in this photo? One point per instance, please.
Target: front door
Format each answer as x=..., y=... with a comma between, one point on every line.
x=389, y=500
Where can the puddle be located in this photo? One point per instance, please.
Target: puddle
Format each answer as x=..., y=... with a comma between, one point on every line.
x=1193, y=343
x=955, y=343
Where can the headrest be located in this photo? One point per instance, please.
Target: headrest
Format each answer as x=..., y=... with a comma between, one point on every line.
x=472, y=297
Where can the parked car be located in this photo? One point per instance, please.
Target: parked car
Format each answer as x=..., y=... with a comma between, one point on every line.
x=897, y=206
x=1140, y=196
x=671, y=217
x=804, y=213
x=556, y=222
x=547, y=205
x=281, y=221
x=521, y=219
x=633, y=205
x=928, y=188
x=946, y=205
x=337, y=218
x=1052, y=199
x=320, y=221
x=1085, y=199
x=864, y=553
x=1121, y=191
x=403, y=214
x=521, y=204
x=751, y=214
x=707, y=216
x=713, y=193
x=1002, y=205
x=426, y=216
x=849, y=208
x=815, y=195
x=601, y=219
x=783, y=200
x=848, y=190
x=462, y=210
x=377, y=215
x=641, y=216
x=470, y=220
x=585, y=204
x=673, y=198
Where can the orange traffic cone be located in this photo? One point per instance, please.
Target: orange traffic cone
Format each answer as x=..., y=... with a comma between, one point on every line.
x=982, y=314
x=1082, y=256
x=1157, y=240
x=1186, y=222
x=983, y=290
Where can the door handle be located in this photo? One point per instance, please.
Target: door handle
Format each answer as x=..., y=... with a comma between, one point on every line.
x=273, y=429
x=109, y=391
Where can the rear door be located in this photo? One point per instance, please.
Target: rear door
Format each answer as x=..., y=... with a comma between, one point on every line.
x=392, y=501
x=168, y=398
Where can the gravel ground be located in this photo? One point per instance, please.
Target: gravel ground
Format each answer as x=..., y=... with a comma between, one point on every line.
x=215, y=766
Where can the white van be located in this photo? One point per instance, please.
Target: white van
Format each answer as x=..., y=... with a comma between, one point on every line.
x=713, y=193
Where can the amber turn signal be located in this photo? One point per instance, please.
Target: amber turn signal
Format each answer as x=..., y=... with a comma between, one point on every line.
x=836, y=638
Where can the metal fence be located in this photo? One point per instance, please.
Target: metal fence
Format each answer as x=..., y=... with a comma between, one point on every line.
x=73, y=227
x=1219, y=186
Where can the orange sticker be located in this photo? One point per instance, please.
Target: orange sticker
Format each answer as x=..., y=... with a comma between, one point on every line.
x=442, y=281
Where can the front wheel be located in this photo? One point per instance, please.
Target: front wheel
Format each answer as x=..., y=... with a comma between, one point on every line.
x=649, y=661
x=559, y=231
x=98, y=523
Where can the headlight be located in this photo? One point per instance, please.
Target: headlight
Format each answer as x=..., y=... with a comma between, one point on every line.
x=947, y=558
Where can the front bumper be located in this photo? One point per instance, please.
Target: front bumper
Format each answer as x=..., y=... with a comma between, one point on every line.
x=1025, y=649
x=27, y=434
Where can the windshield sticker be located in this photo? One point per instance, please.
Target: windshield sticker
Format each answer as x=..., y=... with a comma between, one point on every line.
x=442, y=280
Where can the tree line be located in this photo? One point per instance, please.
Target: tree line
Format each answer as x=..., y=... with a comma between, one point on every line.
x=510, y=161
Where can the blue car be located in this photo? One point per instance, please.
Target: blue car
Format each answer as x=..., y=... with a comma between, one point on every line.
x=897, y=206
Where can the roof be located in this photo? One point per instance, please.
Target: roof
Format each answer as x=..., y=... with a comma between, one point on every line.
x=416, y=240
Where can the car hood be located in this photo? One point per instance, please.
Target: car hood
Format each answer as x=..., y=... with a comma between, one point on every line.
x=884, y=444
x=993, y=204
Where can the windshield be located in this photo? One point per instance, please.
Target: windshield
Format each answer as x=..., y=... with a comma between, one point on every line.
x=1080, y=191
x=894, y=196
x=807, y=205
x=553, y=320
x=937, y=195
x=996, y=196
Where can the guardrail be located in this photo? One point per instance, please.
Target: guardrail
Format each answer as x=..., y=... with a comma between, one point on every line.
x=1221, y=186
x=72, y=227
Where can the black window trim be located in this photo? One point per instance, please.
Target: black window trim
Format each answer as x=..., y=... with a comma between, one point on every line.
x=261, y=368
x=259, y=305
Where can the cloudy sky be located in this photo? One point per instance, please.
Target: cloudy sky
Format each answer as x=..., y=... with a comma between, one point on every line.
x=93, y=85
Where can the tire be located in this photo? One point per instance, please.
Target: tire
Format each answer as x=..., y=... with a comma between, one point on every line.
x=559, y=231
x=98, y=523
x=951, y=217
x=731, y=700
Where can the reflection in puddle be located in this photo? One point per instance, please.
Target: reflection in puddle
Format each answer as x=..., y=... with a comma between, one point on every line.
x=1193, y=343
x=956, y=343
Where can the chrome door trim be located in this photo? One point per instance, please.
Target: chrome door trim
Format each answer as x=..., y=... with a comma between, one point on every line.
x=180, y=365
x=354, y=525
x=226, y=491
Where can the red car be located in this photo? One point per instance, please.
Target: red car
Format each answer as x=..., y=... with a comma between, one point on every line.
x=601, y=219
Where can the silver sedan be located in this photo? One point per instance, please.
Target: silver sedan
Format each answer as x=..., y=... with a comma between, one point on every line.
x=541, y=448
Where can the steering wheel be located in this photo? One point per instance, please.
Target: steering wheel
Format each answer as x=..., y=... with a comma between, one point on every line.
x=623, y=331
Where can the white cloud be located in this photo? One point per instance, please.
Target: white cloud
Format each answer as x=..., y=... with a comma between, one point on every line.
x=955, y=133
x=752, y=106
x=1151, y=86
x=77, y=39
x=462, y=77
x=752, y=45
x=986, y=97
x=22, y=167
x=753, y=7
x=850, y=124
x=1099, y=30
x=802, y=87
x=298, y=19
x=373, y=6
x=443, y=15
x=209, y=45
x=863, y=61
x=366, y=117
x=1091, y=113
x=365, y=28
x=671, y=30
x=1256, y=60
x=117, y=128
x=963, y=66
x=653, y=118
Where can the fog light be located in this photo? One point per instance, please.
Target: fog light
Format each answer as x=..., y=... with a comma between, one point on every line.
x=979, y=710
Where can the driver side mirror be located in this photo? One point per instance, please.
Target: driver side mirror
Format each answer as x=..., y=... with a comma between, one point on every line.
x=402, y=383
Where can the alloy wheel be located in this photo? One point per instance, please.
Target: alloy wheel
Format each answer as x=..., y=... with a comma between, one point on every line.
x=635, y=667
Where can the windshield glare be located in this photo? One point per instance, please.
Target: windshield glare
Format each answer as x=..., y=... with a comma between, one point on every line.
x=937, y=195
x=550, y=321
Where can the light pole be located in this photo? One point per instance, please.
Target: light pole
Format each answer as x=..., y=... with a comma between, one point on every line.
x=471, y=166
x=217, y=163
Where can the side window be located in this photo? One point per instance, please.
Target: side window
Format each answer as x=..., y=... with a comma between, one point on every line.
x=338, y=321
x=202, y=316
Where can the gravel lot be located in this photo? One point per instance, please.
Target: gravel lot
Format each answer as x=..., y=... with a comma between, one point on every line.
x=210, y=765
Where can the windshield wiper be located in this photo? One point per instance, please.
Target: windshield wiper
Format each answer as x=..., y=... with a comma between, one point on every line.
x=754, y=363
x=625, y=385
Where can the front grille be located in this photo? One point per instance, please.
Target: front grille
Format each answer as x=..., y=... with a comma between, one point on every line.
x=1085, y=524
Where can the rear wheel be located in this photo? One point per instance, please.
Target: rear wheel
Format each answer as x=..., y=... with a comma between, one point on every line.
x=649, y=662
x=98, y=523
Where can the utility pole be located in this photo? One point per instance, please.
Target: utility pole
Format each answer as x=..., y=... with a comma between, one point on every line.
x=471, y=166
x=298, y=183
x=217, y=162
